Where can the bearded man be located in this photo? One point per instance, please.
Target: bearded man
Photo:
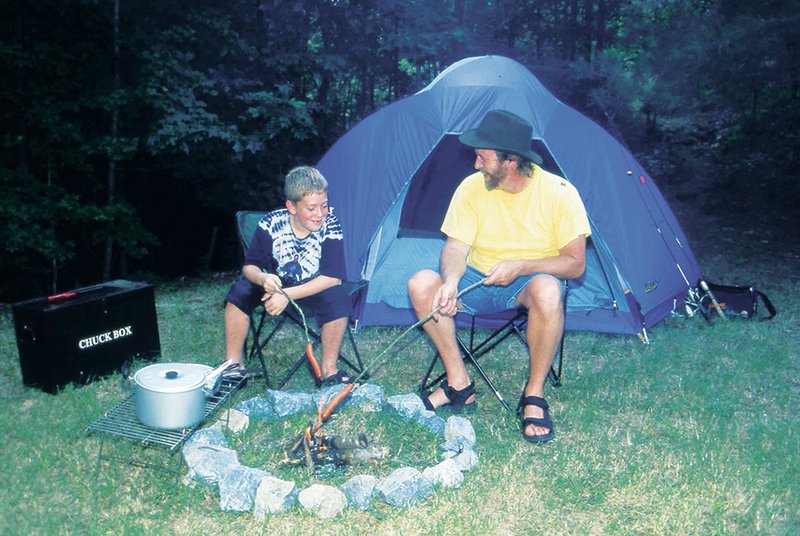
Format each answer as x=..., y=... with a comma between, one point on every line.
x=523, y=231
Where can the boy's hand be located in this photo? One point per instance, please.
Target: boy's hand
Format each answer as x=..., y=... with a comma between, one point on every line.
x=272, y=284
x=275, y=304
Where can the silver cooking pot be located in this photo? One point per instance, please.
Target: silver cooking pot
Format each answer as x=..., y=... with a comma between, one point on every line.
x=172, y=396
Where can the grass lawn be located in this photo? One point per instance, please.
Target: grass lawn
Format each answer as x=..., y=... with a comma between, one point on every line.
x=695, y=433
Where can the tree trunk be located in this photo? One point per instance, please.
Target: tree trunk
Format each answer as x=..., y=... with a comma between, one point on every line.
x=112, y=158
x=574, y=26
x=460, y=10
x=600, y=28
x=54, y=260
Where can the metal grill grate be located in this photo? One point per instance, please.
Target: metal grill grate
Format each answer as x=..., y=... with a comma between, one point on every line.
x=122, y=421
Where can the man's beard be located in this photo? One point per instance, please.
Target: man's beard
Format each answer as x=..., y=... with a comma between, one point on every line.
x=492, y=182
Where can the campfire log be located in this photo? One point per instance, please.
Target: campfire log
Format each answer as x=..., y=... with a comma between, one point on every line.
x=337, y=450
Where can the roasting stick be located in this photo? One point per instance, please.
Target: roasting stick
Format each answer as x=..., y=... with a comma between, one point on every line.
x=341, y=395
x=416, y=325
x=323, y=415
x=309, y=347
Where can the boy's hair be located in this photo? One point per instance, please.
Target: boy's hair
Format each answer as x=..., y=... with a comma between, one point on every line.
x=303, y=180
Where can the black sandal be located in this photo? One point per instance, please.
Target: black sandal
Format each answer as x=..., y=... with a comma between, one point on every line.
x=457, y=398
x=335, y=379
x=544, y=422
x=234, y=368
x=236, y=372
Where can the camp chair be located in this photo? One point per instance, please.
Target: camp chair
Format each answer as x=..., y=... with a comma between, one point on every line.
x=505, y=323
x=258, y=339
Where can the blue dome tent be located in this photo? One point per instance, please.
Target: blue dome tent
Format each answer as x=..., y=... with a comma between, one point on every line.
x=392, y=175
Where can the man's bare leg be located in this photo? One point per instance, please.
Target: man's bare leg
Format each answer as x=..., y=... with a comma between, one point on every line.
x=542, y=297
x=421, y=288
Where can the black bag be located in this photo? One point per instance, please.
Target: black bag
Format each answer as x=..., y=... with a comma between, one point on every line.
x=734, y=301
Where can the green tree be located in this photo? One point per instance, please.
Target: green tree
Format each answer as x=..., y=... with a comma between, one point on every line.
x=52, y=105
x=104, y=106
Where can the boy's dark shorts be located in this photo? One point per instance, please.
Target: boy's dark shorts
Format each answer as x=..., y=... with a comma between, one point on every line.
x=328, y=305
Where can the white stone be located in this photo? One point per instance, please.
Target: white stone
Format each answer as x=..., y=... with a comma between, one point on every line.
x=408, y=405
x=466, y=460
x=404, y=487
x=208, y=463
x=237, y=488
x=459, y=427
x=358, y=491
x=273, y=496
x=325, y=501
x=368, y=397
x=203, y=437
x=285, y=404
x=445, y=474
x=233, y=421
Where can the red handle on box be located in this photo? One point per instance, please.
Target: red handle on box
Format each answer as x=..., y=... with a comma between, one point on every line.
x=61, y=297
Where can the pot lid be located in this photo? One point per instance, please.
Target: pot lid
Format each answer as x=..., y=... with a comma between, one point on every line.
x=172, y=377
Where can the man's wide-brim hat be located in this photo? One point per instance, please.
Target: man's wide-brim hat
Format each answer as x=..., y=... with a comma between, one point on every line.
x=502, y=131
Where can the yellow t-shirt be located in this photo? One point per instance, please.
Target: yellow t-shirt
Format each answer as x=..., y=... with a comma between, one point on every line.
x=532, y=224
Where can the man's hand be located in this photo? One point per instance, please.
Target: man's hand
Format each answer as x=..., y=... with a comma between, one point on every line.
x=275, y=304
x=504, y=273
x=272, y=284
x=445, y=298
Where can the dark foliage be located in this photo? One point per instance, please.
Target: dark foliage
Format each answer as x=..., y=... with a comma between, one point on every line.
x=132, y=131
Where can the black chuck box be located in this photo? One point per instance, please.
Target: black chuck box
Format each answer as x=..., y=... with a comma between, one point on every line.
x=85, y=333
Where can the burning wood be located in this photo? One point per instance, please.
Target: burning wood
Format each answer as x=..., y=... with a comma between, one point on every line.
x=319, y=449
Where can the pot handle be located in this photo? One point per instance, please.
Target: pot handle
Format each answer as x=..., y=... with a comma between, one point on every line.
x=214, y=378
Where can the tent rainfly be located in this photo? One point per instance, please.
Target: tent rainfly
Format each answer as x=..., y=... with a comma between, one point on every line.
x=392, y=175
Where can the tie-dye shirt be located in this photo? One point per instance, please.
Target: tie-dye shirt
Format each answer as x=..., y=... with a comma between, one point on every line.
x=276, y=249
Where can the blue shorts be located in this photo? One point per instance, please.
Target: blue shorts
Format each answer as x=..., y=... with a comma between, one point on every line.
x=328, y=305
x=494, y=298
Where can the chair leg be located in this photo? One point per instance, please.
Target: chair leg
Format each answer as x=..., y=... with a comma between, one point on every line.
x=472, y=359
x=357, y=369
x=468, y=356
x=484, y=347
x=315, y=339
x=313, y=336
x=297, y=364
x=423, y=386
x=356, y=353
x=474, y=352
x=264, y=370
x=555, y=373
x=258, y=345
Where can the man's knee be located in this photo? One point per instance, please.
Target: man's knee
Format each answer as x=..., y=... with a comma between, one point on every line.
x=543, y=294
x=422, y=283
